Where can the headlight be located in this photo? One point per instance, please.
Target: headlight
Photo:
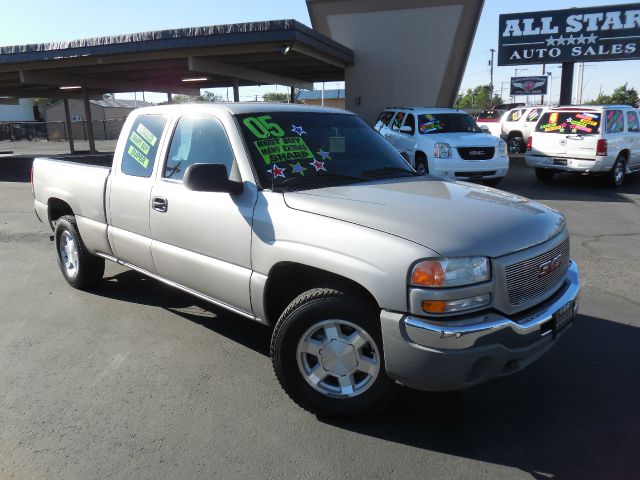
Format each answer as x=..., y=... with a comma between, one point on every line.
x=442, y=150
x=458, y=305
x=450, y=272
x=502, y=148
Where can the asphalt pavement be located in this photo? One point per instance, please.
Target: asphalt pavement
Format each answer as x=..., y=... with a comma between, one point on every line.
x=136, y=380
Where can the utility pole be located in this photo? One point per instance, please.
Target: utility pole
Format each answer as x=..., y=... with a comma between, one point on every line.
x=491, y=65
x=544, y=66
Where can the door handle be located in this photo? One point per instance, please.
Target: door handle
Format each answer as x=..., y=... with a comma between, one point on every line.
x=159, y=204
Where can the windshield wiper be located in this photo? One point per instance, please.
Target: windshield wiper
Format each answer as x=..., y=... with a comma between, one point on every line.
x=387, y=171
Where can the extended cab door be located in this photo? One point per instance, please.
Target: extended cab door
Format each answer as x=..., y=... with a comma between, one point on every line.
x=129, y=189
x=202, y=240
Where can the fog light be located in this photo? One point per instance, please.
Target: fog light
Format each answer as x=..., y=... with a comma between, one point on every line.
x=449, y=306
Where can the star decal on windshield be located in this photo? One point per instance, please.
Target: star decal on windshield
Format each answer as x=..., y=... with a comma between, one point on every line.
x=318, y=165
x=297, y=130
x=276, y=171
x=297, y=168
x=324, y=155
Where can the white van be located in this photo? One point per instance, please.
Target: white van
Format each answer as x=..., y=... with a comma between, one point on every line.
x=593, y=139
x=445, y=142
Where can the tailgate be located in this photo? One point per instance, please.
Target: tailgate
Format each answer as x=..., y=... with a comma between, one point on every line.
x=567, y=133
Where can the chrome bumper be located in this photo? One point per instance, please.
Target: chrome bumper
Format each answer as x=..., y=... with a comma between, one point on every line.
x=451, y=355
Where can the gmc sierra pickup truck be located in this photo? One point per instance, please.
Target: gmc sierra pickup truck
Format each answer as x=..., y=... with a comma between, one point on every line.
x=306, y=219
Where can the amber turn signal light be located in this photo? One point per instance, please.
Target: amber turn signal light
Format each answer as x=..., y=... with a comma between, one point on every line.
x=428, y=274
x=434, y=306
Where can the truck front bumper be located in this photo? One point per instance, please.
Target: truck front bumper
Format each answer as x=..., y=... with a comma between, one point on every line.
x=451, y=355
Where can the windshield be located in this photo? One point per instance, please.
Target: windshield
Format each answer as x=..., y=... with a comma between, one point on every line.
x=308, y=150
x=490, y=115
x=578, y=122
x=446, y=123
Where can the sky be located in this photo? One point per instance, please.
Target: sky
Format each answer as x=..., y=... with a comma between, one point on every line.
x=46, y=21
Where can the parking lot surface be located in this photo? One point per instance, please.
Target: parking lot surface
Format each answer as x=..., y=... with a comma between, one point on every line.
x=136, y=380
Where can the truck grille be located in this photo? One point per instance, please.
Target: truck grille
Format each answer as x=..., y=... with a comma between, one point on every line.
x=476, y=153
x=524, y=279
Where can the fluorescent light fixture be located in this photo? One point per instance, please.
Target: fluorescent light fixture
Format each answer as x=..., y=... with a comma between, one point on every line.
x=285, y=49
x=197, y=79
x=70, y=87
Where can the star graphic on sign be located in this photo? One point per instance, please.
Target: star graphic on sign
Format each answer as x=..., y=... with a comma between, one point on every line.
x=318, y=165
x=551, y=41
x=560, y=40
x=297, y=130
x=276, y=171
x=592, y=38
x=581, y=39
x=571, y=40
x=297, y=168
x=324, y=155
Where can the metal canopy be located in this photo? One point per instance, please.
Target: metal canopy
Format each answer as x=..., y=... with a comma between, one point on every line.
x=283, y=52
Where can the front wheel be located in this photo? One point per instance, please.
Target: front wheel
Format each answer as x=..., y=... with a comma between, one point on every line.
x=327, y=354
x=79, y=268
x=422, y=165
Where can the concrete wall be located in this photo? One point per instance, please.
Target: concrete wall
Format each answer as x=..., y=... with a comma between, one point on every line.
x=407, y=52
x=22, y=112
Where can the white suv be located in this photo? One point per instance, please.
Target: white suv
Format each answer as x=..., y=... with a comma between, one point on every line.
x=445, y=142
x=517, y=125
x=586, y=139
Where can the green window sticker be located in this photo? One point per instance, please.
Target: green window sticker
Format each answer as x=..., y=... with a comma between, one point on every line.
x=139, y=142
x=138, y=156
x=284, y=149
x=261, y=127
x=147, y=135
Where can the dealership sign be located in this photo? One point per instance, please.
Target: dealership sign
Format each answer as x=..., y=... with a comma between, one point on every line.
x=529, y=85
x=576, y=35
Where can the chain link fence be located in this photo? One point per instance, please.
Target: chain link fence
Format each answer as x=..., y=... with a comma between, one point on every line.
x=58, y=131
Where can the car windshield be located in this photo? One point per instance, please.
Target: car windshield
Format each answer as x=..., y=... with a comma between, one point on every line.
x=446, y=123
x=576, y=122
x=304, y=150
x=490, y=115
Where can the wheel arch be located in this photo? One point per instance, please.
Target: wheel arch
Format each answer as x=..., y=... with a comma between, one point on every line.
x=57, y=208
x=287, y=280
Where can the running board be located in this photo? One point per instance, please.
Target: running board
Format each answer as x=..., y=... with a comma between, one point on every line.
x=188, y=290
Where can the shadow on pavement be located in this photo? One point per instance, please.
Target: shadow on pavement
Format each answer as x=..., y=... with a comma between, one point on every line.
x=572, y=415
x=131, y=286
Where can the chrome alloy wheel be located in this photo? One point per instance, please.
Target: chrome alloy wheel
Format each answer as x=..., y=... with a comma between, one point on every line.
x=68, y=250
x=618, y=174
x=338, y=358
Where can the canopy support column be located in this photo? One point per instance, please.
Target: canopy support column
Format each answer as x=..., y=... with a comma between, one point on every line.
x=87, y=114
x=67, y=117
x=236, y=90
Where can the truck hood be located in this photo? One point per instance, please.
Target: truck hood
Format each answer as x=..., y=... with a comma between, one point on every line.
x=450, y=218
x=462, y=139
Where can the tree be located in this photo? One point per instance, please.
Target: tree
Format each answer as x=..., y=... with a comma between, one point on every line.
x=620, y=96
x=205, y=97
x=479, y=97
x=276, y=97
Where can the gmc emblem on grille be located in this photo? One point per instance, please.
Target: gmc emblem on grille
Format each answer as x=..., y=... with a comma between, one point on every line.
x=547, y=267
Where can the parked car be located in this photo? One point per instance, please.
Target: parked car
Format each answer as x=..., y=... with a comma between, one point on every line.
x=603, y=140
x=305, y=219
x=445, y=142
x=517, y=125
x=490, y=120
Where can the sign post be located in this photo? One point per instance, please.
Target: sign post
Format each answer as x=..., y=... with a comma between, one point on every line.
x=592, y=34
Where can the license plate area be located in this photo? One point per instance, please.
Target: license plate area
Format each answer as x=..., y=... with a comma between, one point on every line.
x=563, y=318
x=560, y=161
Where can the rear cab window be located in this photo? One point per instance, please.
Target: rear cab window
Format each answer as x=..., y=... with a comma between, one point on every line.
x=570, y=122
x=142, y=145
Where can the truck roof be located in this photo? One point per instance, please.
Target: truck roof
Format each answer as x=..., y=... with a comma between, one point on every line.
x=240, y=108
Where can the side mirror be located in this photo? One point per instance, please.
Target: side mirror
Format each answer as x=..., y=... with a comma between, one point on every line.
x=210, y=177
x=485, y=129
x=406, y=129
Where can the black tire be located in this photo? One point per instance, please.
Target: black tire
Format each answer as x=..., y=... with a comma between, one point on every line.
x=422, y=164
x=515, y=145
x=492, y=182
x=88, y=269
x=615, y=177
x=306, y=312
x=545, y=174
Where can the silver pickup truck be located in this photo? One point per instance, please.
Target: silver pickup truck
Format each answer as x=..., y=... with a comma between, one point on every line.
x=305, y=219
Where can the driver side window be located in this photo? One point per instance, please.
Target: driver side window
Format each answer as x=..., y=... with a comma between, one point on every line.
x=197, y=139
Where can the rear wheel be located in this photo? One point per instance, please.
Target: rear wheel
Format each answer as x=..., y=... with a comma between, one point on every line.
x=615, y=177
x=327, y=354
x=545, y=174
x=516, y=145
x=422, y=164
x=79, y=268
